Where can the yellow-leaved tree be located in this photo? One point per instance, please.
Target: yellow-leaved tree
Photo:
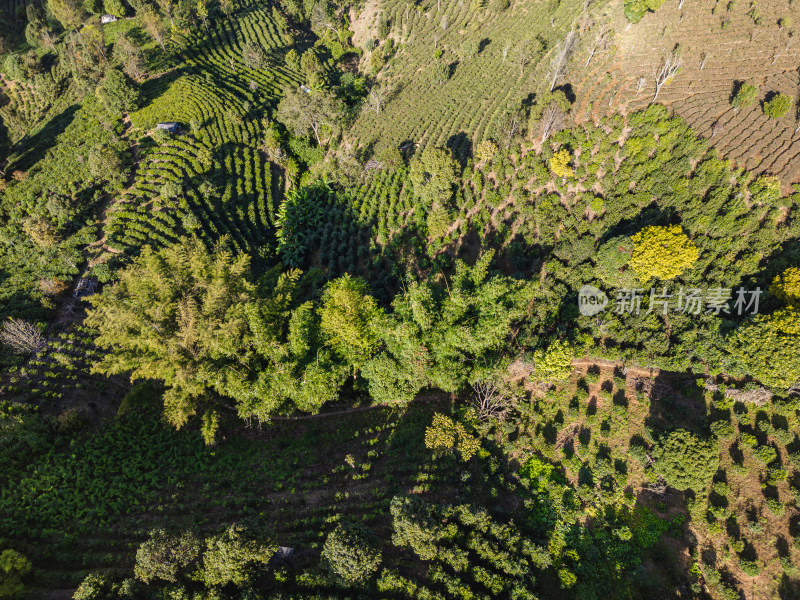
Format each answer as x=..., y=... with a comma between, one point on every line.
x=662, y=253
x=447, y=435
x=560, y=164
x=786, y=286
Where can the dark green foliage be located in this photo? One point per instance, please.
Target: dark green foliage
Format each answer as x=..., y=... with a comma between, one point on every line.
x=686, y=461
x=351, y=553
x=164, y=555
x=236, y=556
x=14, y=570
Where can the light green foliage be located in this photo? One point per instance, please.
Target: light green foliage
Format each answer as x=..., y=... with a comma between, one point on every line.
x=685, y=460
x=433, y=174
x=611, y=262
x=177, y=315
x=553, y=364
x=662, y=253
x=486, y=151
x=118, y=93
x=114, y=7
x=236, y=556
x=745, y=96
x=94, y=587
x=164, y=555
x=636, y=9
x=351, y=553
x=436, y=331
x=14, y=569
x=438, y=221
x=346, y=320
x=448, y=436
x=106, y=164
x=415, y=526
x=768, y=348
x=778, y=106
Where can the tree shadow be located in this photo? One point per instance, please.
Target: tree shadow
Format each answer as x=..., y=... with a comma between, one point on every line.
x=460, y=144
x=31, y=149
x=674, y=405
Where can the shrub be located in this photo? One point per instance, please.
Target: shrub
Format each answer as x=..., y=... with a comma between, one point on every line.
x=685, y=460
x=21, y=336
x=744, y=96
x=554, y=364
x=778, y=106
x=94, y=587
x=351, y=553
x=14, y=567
x=662, y=252
x=235, y=556
x=163, y=555
x=450, y=436
x=750, y=567
x=485, y=151
x=722, y=429
x=786, y=285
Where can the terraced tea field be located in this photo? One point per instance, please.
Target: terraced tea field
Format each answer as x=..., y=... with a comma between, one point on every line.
x=84, y=505
x=720, y=44
x=210, y=178
x=480, y=89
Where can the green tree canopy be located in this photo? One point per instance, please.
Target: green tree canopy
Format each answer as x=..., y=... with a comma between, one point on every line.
x=118, y=93
x=686, y=461
x=441, y=331
x=433, y=174
x=351, y=553
x=177, y=315
x=164, y=555
x=767, y=347
x=347, y=319
x=236, y=556
x=316, y=112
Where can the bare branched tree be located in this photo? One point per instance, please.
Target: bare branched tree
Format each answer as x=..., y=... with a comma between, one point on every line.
x=640, y=83
x=716, y=129
x=492, y=399
x=510, y=126
x=22, y=336
x=524, y=52
x=377, y=97
x=703, y=58
x=560, y=61
x=667, y=69
x=552, y=121
x=320, y=19
x=600, y=44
